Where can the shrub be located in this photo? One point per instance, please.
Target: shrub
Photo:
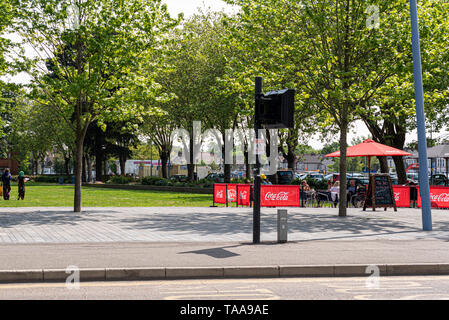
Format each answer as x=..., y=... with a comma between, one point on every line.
x=120, y=180
x=52, y=179
x=161, y=182
x=151, y=181
x=208, y=184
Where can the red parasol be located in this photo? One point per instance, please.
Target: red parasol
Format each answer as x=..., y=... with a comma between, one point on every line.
x=369, y=148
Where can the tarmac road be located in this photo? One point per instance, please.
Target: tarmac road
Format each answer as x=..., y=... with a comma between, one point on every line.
x=366, y=288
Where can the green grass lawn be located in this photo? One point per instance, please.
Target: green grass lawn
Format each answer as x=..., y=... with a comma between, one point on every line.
x=45, y=195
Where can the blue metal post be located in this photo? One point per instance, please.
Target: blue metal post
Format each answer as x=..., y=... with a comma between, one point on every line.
x=424, y=188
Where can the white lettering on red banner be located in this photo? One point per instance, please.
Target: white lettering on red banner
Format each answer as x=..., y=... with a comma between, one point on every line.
x=281, y=196
x=439, y=197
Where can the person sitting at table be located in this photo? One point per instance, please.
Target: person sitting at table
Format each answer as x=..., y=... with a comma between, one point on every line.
x=352, y=191
x=305, y=186
x=264, y=179
x=335, y=191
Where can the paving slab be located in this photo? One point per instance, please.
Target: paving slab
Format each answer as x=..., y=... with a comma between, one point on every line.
x=100, y=225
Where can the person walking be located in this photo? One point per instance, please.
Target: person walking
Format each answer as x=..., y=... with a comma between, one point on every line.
x=21, y=181
x=6, y=181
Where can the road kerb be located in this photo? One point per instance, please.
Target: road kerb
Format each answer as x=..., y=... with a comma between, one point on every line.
x=21, y=275
x=162, y=273
x=135, y=274
x=443, y=268
x=413, y=269
x=251, y=272
x=306, y=271
x=192, y=273
x=360, y=270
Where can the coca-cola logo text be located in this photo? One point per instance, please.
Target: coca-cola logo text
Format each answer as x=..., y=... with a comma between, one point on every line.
x=442, y=197
x=281, y=196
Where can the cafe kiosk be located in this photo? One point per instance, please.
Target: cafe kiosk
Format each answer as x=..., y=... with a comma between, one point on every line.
x=380, y=193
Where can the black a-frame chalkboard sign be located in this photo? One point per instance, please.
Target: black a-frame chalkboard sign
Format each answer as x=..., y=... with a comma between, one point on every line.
x=380, y=193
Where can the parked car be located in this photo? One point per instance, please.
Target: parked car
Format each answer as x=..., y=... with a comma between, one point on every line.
x=216, y=177
x=438, y=180
x=359, y=181
x=285, y=176
x=179, y=178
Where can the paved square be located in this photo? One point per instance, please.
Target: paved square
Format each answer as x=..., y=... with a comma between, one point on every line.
x=61, y=225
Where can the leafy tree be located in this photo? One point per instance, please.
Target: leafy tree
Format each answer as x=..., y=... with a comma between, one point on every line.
x=7, y=11
x=329, y=52
x=390, y=114
x=195, y=67
x=107, y=42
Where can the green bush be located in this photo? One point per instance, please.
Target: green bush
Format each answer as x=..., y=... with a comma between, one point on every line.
x=151, y=181
x=161, y=182
x=120, y=180
x=52, y=179
x=208, y=184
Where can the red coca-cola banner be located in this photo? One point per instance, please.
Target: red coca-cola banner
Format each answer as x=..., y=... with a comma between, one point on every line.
x=232, y=193
x=402, y=196
x=244, y=194
x=236, y=193
x=439, y=197
x=220, y=193
x=279, y=196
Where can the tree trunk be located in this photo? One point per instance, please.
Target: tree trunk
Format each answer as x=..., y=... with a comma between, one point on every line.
x=89, y=168
x=122, y=160
x=383, y=165
x=400, y=170
x=291, y=160
x=99, y=154
x=247, y=164
x=83, y=173
x=98, y=165
x=164, y=159
x=343, y=162
x=191, y=165
x=105, y=168
x=67, y=164
x=227, y=173
x=78, y=169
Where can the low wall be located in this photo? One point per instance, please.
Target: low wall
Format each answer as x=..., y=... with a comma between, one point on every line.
x=152, y=188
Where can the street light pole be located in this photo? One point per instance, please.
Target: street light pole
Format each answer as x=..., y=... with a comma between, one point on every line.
x=424, y=187
x=256, y=208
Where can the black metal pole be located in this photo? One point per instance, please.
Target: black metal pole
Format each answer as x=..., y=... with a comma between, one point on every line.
x=256, y=208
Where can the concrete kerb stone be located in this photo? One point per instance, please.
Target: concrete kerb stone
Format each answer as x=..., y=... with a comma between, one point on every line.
x=306, y=271
x=443, y=268
x=252, y=272
x=135, y=273
x=117, y=274
x=194, y=272
x=55, y=275
x=21, y=275
x=95, y=274
x=358, y=270
x=413, y=269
